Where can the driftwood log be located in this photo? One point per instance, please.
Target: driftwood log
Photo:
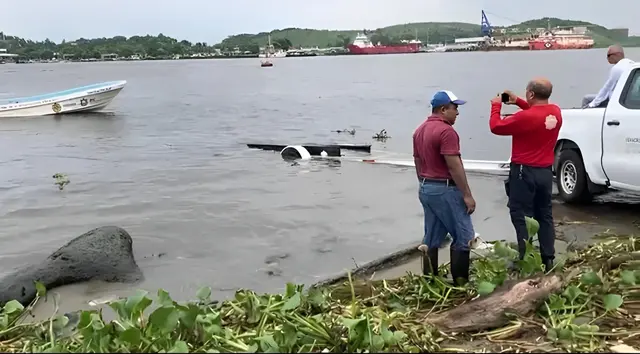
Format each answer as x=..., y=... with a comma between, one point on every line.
x=617, y=262
x=518, y=297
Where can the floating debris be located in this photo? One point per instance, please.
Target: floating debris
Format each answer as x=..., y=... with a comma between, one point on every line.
x=103, y=300
x=352, y=131
x=61, y=180
x=382, y=135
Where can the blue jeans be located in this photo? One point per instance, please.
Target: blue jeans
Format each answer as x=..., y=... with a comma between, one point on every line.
x=445, y=212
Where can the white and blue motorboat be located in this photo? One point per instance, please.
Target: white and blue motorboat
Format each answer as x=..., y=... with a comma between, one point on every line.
x=81, y=99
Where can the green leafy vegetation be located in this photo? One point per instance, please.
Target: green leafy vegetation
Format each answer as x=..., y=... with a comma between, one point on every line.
x=599, y=303
x=158, y=47
x=432, y=32
x=61, y=180
x=427, y=32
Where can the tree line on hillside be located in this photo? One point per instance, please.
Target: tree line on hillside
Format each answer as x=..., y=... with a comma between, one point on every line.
x=162, y=46
x=159, y=46
x=283, y=39
x=428, y=32
x=246, y=44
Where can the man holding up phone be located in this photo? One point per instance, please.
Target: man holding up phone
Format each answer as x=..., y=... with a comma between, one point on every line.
x=534, y=132
x=444, y=192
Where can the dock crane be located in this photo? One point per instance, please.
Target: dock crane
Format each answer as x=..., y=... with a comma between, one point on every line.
x=486, y=28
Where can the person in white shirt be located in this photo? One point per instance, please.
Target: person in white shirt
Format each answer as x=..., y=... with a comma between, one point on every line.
x=615, y=56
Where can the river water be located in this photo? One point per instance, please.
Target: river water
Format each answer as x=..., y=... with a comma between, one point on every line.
x=167, y=160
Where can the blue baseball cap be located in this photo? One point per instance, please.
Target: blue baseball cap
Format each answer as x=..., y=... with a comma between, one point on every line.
x=443, y=97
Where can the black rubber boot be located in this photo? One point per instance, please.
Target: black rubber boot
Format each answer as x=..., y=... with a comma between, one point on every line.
x=430, y=262
x=460, y=266
x=548, y=264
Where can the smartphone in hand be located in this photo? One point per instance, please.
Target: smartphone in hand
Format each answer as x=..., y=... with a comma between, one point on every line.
x=505, y=97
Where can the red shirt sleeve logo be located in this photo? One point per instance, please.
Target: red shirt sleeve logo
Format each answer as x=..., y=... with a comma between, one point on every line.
x=550, y=122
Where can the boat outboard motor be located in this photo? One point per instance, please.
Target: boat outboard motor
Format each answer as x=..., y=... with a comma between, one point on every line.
x=295, y=152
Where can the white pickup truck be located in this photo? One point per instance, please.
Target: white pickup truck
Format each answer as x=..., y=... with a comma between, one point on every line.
x=599, y=148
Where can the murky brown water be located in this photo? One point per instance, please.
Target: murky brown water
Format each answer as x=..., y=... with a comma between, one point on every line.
x=167, y=162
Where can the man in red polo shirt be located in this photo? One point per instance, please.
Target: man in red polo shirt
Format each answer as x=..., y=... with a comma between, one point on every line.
x=534, y=132
x=444, y=192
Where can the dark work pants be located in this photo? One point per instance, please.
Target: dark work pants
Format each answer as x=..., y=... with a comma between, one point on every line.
x=529, y=191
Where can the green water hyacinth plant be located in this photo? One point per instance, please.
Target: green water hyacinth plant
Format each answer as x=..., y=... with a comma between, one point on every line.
x=61, y=180
x=597, y=306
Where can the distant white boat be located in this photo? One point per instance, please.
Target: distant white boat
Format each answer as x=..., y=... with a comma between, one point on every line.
x=276, y=54
x=436, y=49
x=267, y=63
x=270, y=52
x=81, y=99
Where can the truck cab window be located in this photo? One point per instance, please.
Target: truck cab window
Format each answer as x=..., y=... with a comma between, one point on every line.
x=630, y=97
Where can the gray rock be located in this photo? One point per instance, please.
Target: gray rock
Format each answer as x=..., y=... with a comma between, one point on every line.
x=105, y=253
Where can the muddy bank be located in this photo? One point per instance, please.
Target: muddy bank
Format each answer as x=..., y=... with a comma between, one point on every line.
x=575, y=227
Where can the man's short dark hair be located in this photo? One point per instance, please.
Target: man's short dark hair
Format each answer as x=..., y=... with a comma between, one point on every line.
x=540, y=90
x=435, y=110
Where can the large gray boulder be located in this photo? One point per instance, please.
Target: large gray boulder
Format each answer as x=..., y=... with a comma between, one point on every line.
x=105, y=253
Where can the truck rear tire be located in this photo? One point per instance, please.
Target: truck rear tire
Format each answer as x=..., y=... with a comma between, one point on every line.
x=571, y=178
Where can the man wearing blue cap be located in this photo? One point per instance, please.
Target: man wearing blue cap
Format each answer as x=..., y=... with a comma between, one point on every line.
x=444, y=192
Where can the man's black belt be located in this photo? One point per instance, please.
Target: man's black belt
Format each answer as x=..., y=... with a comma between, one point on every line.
x=514, y=164
x=448, y=182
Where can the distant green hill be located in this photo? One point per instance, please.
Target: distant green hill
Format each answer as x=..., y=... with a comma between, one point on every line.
x=428, y=32
x=432, y=32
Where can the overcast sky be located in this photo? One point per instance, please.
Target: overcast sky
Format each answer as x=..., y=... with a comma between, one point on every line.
x=213, y=20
